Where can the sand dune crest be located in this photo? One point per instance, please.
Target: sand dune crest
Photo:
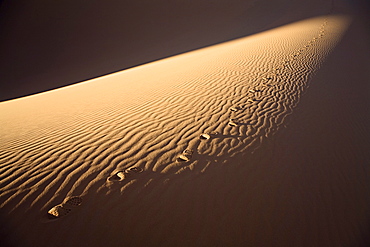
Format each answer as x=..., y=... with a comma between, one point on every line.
x=148, y=148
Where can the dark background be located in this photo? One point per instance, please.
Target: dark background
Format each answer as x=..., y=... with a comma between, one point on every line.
x=47, y=44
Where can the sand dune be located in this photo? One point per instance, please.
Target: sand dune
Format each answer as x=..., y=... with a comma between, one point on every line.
x=46, y=45
x=185, y=151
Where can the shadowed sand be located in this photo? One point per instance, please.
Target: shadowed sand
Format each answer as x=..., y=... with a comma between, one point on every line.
x=46, y=45
x=215, y=147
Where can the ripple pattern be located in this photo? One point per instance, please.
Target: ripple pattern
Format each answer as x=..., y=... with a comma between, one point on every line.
x=67, y=142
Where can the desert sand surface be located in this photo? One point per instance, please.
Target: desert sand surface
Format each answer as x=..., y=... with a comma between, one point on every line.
x=259, y=141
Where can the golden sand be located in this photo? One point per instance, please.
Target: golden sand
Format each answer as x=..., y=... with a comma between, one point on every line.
x=199, y=149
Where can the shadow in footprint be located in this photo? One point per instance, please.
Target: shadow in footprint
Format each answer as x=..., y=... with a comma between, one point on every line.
x=233, y=124
x=235, y=108
x=118, y=176
x=209, y=135
x=186, y=156
x=205, y=136
x=132, y=170
x=121, y=175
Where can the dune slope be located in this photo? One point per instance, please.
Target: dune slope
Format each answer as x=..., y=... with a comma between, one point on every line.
x=123, y=156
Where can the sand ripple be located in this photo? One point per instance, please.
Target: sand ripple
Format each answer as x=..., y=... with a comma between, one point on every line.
x=67, y=142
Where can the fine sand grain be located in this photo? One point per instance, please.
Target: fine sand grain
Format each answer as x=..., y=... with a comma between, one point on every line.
x=207, y=148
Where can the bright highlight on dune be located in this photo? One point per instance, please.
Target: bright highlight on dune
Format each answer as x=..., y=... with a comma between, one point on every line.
x=156, y=155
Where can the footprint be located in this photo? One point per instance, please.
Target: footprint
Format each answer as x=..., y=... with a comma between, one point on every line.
x=64, y=208
x=252, y=100
x=133, y=170
x=58, y=211
x=209, y=135
x=235, y=108
x=185, y=156
x=118, y=176
x=232, y=122
x=121, y=175
x=73, y=201
x=205, y=136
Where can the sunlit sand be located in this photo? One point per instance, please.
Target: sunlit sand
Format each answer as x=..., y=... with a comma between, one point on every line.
x=198, y=149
